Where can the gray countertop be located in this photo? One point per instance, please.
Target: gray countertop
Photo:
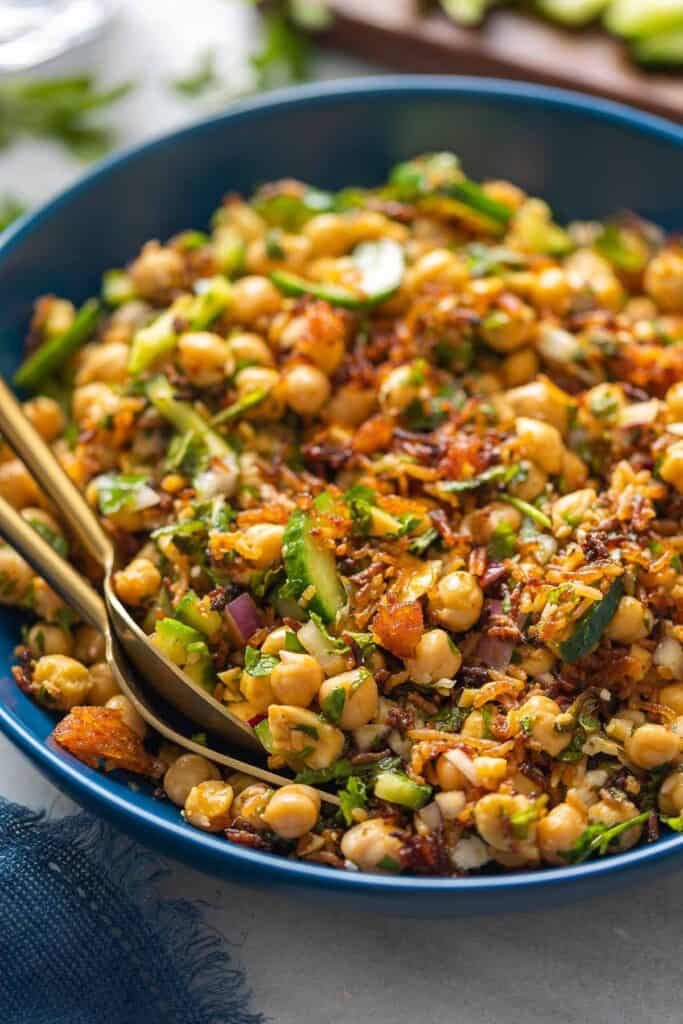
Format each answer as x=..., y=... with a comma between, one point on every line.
x=612, y=961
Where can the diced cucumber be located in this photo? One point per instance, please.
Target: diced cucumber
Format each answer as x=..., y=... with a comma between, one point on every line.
x=186, y=648
x=293, y=284
x=662, y=48
x=214, y=295
x=117, y=288
x=199, y=665
x=638, y=18
x=156, y=339
x=173, y=638
x=309, y=565
x=380, y=266
x=197, y=613
x=572, y=12
x=397, y=788
x=186, y=420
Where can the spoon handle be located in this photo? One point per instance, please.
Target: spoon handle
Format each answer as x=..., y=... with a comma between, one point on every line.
x=64, y=579
x=41, y=462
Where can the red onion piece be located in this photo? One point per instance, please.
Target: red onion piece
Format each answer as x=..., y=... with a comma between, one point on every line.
x=494, y=652
x=245, y=615
x=256, y=720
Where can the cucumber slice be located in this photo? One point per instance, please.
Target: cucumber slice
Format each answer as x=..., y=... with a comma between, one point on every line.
x=467, y=12
x=571, y=12
x=590, y=628
x=663, y=48
x=380, y=266
x=310, y=565
x=186, y=420
x=173, y=638
x=197, y=613
x=638, y=18
x=117, y=288
x=185, y=647
x=397, y=788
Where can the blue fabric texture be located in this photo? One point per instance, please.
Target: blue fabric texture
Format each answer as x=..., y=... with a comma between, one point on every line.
x=86, y=939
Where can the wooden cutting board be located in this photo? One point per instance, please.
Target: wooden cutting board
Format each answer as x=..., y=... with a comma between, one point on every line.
x=510, y=45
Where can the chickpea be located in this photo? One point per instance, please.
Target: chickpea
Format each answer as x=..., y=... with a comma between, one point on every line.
x=536, y=661
x=570, y=511
x=664, y=280
x=573, y=473
x=45, y=602
x=61, y=681
x=399, y=389
x=261, y=544
x=250, y=348
x=360, y=697
x=509, y=329
x=39, y=517
x=552, y=290
x=44, y=638
x=293, y=252
x=439, y=266
x=540, y=442
x=208, y=805
x=139, y=581
x=631, y=623
x=670, y=470
x=483, y=523
x=674, y=400
x=89, y=645
x=651, y=746
x=46, y=416
x=297, y=731
x=448, y=775
x=542, y=714
x=108, y=363
x=558, y=832
x=250, y=803
x=292, y=811
x=184, y=774
x=254, y=298
x=436, y=657
x=17, y=486
x=530, y=483
x=492, y=814
x=307, y=389
x=672, y=697
x=588, y=272
x=456, y=601
x=261, y=378
x=670, y=797
x=206, y=358
x=297, y=679
x=329, y=234
x=541, y=400
x=258, y=692
x=133, y=719
x=104, y=686
x=158, y=272
x=373, y=845
x=350, y=405
x=609, y=811
x=275, y=641
x=520, y=367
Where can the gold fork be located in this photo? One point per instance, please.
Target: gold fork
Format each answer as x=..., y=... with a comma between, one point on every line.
x=176, y=688
x=88, y=604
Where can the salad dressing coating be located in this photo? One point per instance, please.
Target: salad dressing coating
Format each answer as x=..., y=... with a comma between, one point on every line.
x=396, y=474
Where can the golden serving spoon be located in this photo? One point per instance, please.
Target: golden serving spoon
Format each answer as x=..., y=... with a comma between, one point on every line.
x=88, y=604
x=167, y=679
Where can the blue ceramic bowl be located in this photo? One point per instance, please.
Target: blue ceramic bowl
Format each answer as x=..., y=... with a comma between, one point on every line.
x=588, y=158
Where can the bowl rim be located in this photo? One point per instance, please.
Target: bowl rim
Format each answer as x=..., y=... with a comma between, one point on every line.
x=97, y=790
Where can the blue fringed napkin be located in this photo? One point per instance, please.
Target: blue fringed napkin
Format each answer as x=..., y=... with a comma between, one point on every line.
x=85, y=939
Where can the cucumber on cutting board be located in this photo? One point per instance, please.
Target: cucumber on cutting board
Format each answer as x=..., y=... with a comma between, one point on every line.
x=310, y=565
